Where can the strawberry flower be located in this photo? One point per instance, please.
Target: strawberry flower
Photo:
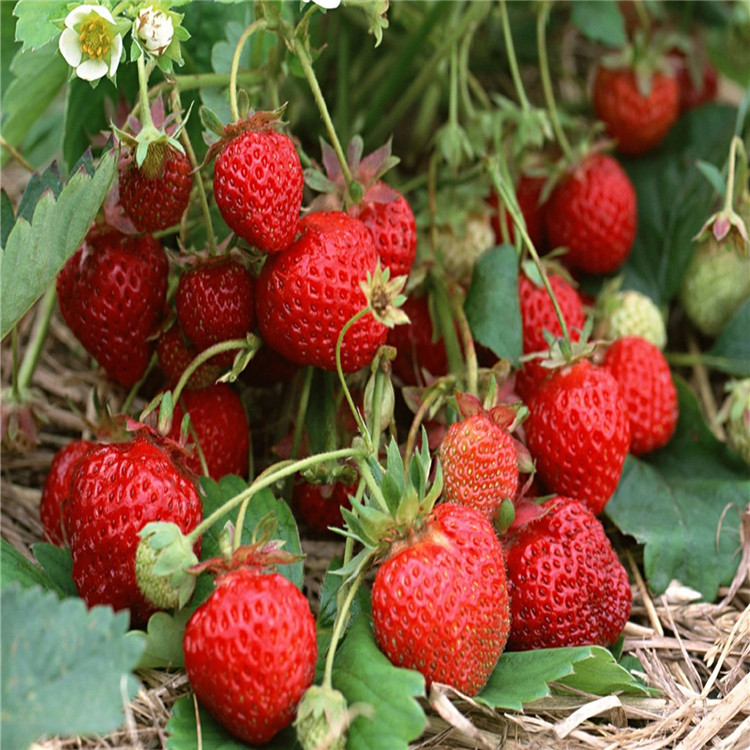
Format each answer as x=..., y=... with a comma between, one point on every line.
x=91, y=42
x=326, y=4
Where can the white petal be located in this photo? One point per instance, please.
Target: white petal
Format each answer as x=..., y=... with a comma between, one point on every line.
x=328, y=4
x=70, y=47
x=92, y=70
x=116, y=54
x=103, y=12
x=77, y=15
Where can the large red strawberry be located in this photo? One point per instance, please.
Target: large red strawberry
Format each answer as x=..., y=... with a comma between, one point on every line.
x=57, y=487
x=567, y=586
x=592, y=212
x=157, y=201
x=221, y=428
x=319, y=505
x=115, y=490
x=250, y=651
x=258, y=184
x=439, y=601
x=578, y=432
x=216, y=302
x=647, y=390
x=111, y=294
x=307, y=293
x=529, y=196
x=175, y=353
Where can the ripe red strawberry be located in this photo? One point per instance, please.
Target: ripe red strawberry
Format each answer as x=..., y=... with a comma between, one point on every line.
x=417, y=351
x=115, y=490
x=111, y=294
x=697, y=78
x=56, y=489
x=394, y=229
x=528, y=194
x=567, y=586
x=216, y=302
x=578, y=432
x=157, y=202
x=250, y=652
x=647, y=390
x=306, y=294
x=637, y=115
x=175, y=353
x=319, y=505
x=221, y=429
x=480, y=464
x=592, y=212
x=439, y=601
x=258, y=185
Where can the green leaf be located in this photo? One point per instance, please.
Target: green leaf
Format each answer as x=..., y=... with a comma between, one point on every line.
x=7, y=218
x=57, y=563
x=37, y=250
x=164, y=640
x=675, y=503
x=601, y=674
x=37, y=185
x=365, y=675
x=66, y=668
x=35, y=26
x=15, y=568
x=732, y=346
x=600, y=20
x=492, y=306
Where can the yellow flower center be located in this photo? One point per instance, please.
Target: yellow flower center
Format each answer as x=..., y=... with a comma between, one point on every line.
x=94, y=37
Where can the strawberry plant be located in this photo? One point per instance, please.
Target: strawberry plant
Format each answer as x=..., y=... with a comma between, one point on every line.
x=371, y=369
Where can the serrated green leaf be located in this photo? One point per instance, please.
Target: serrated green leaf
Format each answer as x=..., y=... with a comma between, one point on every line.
x=365, y=675
x=36, y=187
x=675, y=503
x=57, y=563
x=492, y=306
x=15, y=568
x=66, y=669
x=732, y=347
x=601, y=674
x=37, y=250
x=163, y=636
x=600, y=20
x=35, y=25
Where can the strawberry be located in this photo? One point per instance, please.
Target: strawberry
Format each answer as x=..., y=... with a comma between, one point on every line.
x=157, y=202
x=735, y=416
x=629, y=312
x=439, y=600
x=258, y=184
x=578, y=432
x=111, y=294
x=319, y=505
x=115, y=490
x=697, y=78
x=221, y=428
x=250, y=651
x=479, y=461
x=528, y=194
x=216, y=302
x=306, y=294
x=458, y=249
x=647, y=391
x=638, y=112
x=56, y=489
x=567, y=585
x=175, y=353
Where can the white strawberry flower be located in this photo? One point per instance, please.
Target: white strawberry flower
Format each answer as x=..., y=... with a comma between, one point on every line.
x=327, y=4
x=155, y=30
x=91, y=42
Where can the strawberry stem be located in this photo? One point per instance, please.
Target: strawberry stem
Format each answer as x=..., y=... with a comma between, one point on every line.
x=144, y=72
x=512, y=59
x=16, y=154
x=22, y=380
x=246, y=34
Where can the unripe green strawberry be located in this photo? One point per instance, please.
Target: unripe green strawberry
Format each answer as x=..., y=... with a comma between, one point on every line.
x=629, y=312
x=716, y=283
x=322, y=719
x=458, y=252
x=736, y=413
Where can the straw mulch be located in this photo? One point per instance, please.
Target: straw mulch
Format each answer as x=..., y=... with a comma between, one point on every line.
x=697, y=655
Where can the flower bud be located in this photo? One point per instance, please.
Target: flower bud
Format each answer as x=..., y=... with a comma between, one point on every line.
x=155, y=30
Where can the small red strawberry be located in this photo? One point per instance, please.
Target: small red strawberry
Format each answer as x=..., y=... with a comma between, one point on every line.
x=250, y=649
x=307, y=293
x=57, y=487
x=115, y=490
x=319, y=505
x=528, y=194
x=638, y=111
x=258, y=183
x=111, y=294
x=578, y=432
x=647, y=390
x=155, y=202
x=175, y=353
x=221, y=429
x=216, y=302
x=592, y=212
x=567, y=585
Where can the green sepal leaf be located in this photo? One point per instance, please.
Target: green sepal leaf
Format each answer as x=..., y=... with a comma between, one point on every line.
x=600, y=21
x=66, y=669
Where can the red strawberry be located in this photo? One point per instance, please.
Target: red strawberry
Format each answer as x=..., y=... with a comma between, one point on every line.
x=394, y=229
x=697, y=78
x=528, y=195
x=647, y=390
x=115, y=490
x=175, y=353
x=319, y=505
x=638, y=115
x=111, y=294
x=221, y=429
x=567, y=585
x=157, y=202
x=258, y=184
x=216, y=302
x=417, y=351
x=592, y=211
x=57, y=487
x=578, y=432
x=250, y=652
x=306, y=294
x=439, y=601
